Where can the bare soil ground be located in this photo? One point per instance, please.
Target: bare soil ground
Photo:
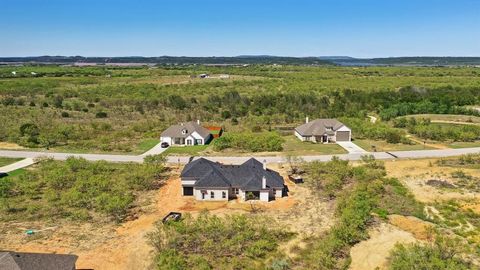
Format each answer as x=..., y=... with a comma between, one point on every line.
x=125, y=246
x=10, y=146
x=415, y=174
x=373, y=253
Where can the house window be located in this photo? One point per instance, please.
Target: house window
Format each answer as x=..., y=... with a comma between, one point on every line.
x=189, y=142
x=224, y=194
x=198, y=141
x=212, y=195
x=236, y=190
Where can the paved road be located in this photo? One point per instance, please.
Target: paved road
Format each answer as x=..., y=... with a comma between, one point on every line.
x=17, y=165
x=237, y=160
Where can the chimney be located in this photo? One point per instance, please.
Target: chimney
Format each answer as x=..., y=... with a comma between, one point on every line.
x=264, y=183
x=265, y=164
x=306, y=120
x=198, y=122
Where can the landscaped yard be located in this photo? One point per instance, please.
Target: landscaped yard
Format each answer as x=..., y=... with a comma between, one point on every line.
x=185, y=150
x=464, y=144
x=294, y=146
x=8, y=161
x=147, y=144
x=381, y=146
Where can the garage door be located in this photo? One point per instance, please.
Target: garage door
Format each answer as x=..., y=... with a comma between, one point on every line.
x=343, y=136
x=187, y=191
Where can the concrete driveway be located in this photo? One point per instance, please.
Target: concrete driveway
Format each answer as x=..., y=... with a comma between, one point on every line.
x=352, y=148
x=17, y=165
x=156, y=150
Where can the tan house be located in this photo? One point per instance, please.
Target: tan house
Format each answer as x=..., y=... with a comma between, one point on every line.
x=323, y=131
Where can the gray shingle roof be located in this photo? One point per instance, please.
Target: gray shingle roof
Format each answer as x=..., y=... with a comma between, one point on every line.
x=318, y=127
x=10, y=260
x=190, y=127
x=248, y=176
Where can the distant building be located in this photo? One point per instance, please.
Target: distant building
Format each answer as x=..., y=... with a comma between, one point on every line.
x=10, y=260
x=191, y=133
x=213, y=181
x=323, y=131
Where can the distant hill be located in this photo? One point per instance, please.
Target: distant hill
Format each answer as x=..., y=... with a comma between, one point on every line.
x=247, y=60
x=410, y=61
x=170, y=60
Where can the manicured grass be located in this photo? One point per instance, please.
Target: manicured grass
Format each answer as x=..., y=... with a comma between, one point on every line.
x=16, y=172
x=8, y=161
x=185, y=150
x=147, y=144
x=464, y=144
x=294, y=146
x=384, y=146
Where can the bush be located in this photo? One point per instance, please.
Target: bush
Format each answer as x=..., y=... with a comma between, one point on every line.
x=75, y=187
x=101, y=115
x=65, y=114
x=221, y=242
x=444, y=253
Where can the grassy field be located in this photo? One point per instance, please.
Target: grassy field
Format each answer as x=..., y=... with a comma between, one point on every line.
x=120, y=110
x=381, y=146
x=8, y=161
x=146, y=145
x=294, y=146
x=467, y=119
x=464, y=144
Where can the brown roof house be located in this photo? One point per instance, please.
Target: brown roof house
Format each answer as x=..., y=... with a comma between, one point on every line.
x=10, y=260
x=323, y=131
x=213, y=181
x=191, y=133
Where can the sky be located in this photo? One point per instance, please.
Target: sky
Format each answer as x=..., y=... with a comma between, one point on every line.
x=358, y=28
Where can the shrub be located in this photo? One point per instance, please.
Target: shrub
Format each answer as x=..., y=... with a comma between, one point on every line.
x=101, y=115
x=65, y=114
x=210, y=240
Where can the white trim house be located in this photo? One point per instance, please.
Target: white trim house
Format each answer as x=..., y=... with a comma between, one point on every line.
x=190, y=133
x=211, y=181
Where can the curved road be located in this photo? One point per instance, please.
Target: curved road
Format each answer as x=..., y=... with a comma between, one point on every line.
x=237, y=160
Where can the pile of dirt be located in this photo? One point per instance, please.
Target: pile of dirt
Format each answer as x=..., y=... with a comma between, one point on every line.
x=419, y=228
x=440, y=183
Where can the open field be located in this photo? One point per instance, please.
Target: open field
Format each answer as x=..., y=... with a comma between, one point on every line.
x=120, y=109
x=381, y=146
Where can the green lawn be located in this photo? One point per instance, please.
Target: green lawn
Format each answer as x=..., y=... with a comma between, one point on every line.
x=16, y=172
x=8, y=161
x=464, y=144
x=294, y=146
x=185, y=150
x=147, y=144
x=382, y=146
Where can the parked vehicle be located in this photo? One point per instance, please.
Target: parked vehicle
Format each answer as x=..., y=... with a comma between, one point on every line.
x=164, y=145
x=172, y=216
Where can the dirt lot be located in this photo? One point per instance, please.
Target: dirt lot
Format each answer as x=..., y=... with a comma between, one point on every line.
x=415, y=174
x=108, y=246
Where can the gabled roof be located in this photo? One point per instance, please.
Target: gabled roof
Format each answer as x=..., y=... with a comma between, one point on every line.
x=319, y=127
x=10, y=260
x=249, y=175
x=190, y=127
